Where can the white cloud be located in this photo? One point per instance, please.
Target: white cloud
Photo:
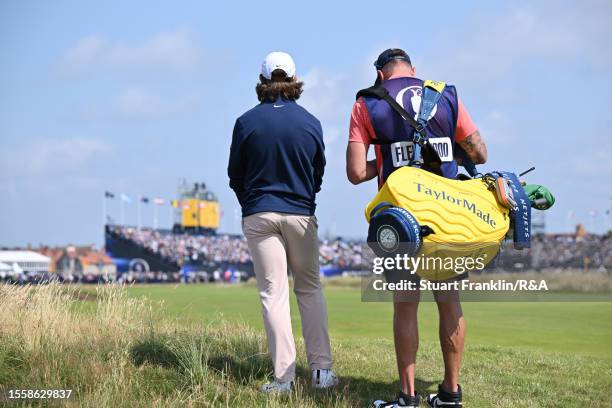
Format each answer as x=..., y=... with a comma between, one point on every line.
x=46, y=157
x=85, y=52
x=331, y=134
x=136, y=103
x=496, y=115
x=323, y=93
x=176, y=51
x=588, y=164
x=326, y=95
x=494, y=45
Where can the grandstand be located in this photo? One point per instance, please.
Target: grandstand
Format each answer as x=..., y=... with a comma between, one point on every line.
x=161, y=255
x=173, y=252
x=194, y=248
x=149, y=250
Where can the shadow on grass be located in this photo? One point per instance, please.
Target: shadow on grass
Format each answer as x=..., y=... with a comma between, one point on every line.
x=154, y=351
x=361, y=391
x=240, y=360
x=13, y=361
x=243, y=363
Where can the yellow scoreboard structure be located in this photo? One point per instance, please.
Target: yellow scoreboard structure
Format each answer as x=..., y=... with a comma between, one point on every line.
x=197, y=209
x=199, y=213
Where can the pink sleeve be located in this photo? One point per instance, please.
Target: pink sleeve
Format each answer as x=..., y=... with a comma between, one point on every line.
x=465, y=125
x=360, y=129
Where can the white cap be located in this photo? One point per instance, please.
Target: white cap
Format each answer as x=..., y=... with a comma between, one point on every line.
x=277, y=60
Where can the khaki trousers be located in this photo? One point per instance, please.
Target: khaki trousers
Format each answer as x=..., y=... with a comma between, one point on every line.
x=278, y=241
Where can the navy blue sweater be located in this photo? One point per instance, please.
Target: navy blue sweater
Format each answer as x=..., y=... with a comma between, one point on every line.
x=277, y=159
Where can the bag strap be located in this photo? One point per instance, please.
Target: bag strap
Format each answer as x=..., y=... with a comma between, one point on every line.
x=432, y=91
x=466, y=162
x=521, y=213
x=423, y=151
x=431, y=94
x=380, y=92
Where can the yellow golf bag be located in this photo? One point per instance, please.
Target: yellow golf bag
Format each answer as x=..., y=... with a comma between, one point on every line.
x=440, y=218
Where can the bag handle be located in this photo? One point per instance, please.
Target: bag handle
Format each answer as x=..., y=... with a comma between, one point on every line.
x=380, y=206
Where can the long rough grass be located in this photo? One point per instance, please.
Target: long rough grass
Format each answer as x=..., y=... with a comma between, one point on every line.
x=119, y=354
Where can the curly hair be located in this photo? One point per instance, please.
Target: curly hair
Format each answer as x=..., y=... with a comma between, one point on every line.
x=268, y=90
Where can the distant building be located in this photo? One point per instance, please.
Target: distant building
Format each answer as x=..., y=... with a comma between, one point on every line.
x=68, y=262
x=79, y=261
x=6, y=270
x=97, y=263
x=581, y=232
x=24, y=261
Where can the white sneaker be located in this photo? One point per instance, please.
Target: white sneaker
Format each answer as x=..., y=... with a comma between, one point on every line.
x=276, y=386
x=324, y=379
x=402, y=401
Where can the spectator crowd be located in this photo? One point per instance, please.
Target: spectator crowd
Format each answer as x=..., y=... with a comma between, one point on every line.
x=186, y=248
x=552, y=251
x=562, y=251
x=221, y=253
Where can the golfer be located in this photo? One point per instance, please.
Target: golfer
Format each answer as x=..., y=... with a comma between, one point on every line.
x=374, y=121
x=276, y=168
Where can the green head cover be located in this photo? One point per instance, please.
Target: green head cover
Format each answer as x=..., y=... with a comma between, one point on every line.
x=541, y=198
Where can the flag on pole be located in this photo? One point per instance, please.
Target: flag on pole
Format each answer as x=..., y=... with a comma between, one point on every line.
x=126, y=198
x=108, y=194
x=158, y=201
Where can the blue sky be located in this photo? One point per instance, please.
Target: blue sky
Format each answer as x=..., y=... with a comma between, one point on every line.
x=131, y=96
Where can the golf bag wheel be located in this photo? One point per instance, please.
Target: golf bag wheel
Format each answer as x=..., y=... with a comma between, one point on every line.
x=393, y=229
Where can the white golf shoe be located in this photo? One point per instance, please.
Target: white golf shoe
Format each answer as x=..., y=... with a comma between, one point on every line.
x=402, y=401
x=324, y=379
x=277, y=387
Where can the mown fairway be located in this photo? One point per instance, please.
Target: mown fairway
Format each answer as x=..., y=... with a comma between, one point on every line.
x=203, y=346
x=581, y=328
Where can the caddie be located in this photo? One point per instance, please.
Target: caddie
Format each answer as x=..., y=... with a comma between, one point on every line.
x=450, y=131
